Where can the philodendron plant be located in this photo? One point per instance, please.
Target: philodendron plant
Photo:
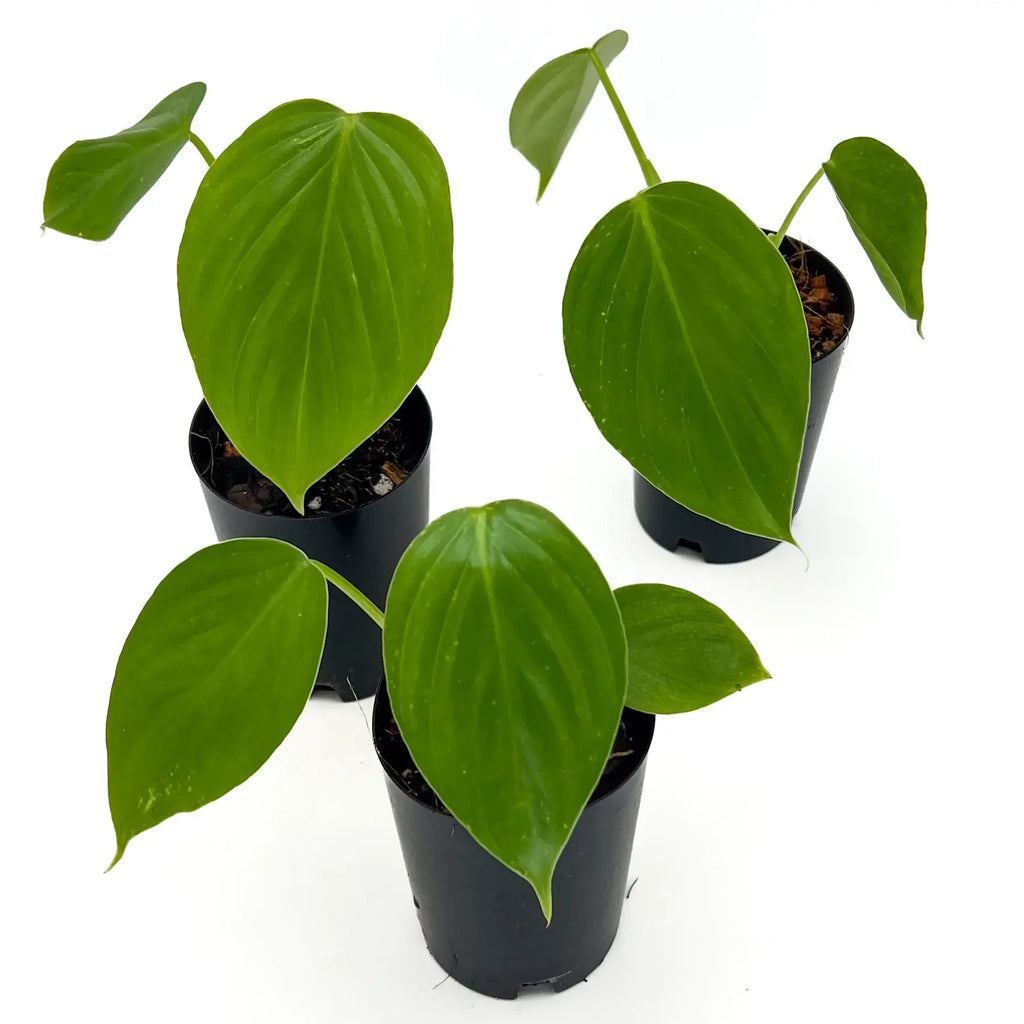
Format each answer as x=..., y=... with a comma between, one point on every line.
x=509, y=660
x=683, y=327
x=314, y=271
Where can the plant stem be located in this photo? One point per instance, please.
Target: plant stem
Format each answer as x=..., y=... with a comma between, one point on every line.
x=781, y=233
x=650, y=174
x=201, y=146
x=351, y=591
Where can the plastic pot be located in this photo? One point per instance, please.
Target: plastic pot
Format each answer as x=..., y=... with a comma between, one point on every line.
x=673, y=525
x=364, y=544
x=482, y=923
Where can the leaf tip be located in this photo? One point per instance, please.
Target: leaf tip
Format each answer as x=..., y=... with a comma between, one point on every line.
x=618, y=37
x=788, y=538
x=122, y=845
x=758, y=675
x=543, y=892
x=297, y=499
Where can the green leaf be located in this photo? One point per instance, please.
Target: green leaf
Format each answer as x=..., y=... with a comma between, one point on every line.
x=95, y=183
x=885, y=203
x=551, y=103
x=314, y=278
x=211, y=679
x=686, y=338
x=506, y=666
x=684, y=652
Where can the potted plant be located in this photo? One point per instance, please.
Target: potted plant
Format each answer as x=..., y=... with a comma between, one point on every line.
x=685, y=331
x=314, y=280
x=513, y=726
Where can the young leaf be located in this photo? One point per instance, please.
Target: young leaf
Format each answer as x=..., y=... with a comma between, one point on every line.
x=95, y=183
x=686, y=338
x=314, y=279
x=885, y=203
x=506, y=667
x=211, y=679
x=551, y=103
x=684, y=652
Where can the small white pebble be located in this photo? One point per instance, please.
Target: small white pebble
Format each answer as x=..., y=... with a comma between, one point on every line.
x=384, y=484
x=314, y=503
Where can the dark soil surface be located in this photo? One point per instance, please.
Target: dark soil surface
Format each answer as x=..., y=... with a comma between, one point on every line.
x=826, y=326
x=393, y=750
x=376, y=467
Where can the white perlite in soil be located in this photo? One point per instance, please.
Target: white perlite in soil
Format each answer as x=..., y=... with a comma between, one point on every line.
x=384, y=485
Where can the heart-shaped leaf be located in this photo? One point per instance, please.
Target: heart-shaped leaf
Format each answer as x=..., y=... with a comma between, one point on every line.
x=314, y=278
x=684, y=652
x=686, y=338
x=506, y=666
x=95, y=183
x=212, y=677
x=551, y=103
x=886, y=205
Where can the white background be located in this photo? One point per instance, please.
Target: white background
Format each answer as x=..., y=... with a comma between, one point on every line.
x=838, y=844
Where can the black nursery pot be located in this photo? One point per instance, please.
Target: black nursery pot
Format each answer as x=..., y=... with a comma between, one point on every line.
x=481, y=921
x=673, y=525
x=364, y=544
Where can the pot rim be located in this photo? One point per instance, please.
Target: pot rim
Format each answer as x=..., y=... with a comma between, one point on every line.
x=416, y=394
x=639, y=756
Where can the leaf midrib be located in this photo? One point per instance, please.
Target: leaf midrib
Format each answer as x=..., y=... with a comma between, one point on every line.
x=488, y=581
x=344, y=135
x=659, y=261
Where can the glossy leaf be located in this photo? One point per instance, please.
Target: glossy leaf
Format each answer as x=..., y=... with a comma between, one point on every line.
x=684, y=652
x=211, y=679
x=506, y=666
x=551, y=103
x=314, y=278
x=886, y=205
x=687, y=341
x=95, y=183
